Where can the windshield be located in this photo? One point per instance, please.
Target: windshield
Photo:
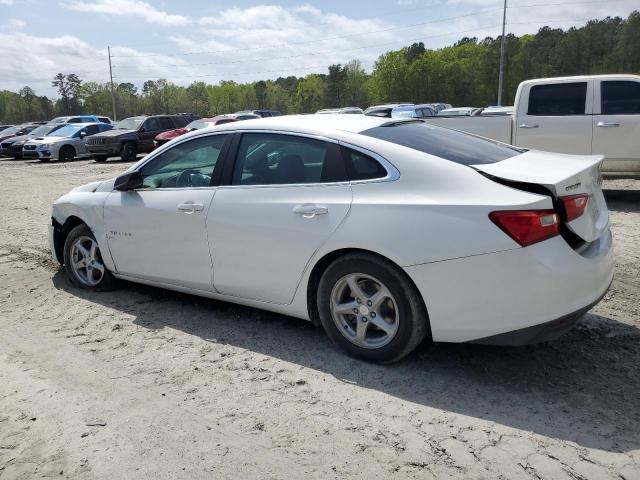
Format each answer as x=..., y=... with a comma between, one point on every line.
x=404, y=112
x=131, y=123
x=10, y=130
x=59, y=120
x=41, y=130
x=197, y=125
x=449, y=144
x=67, y=131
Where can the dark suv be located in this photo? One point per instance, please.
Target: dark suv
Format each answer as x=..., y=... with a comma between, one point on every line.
x=133, y=135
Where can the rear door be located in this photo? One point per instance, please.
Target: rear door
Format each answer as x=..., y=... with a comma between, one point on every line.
x=285, y=197
x=616, y=123
x=555, y=117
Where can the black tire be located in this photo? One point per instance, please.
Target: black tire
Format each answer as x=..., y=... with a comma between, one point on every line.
x=129, y=152
x=67, y=154
x=107, y=282
x=100, y=158
x=413, y=323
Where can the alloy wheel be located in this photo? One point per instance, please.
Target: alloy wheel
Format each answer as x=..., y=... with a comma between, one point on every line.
x=364, y=310
x=86, y=261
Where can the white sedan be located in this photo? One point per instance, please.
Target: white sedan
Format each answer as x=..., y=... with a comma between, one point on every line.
x=385, y=231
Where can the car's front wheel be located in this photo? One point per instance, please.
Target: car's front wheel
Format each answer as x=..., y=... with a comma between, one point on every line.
x=129, y=152
x=370, y=308
x=67, y=154
x=83, y=261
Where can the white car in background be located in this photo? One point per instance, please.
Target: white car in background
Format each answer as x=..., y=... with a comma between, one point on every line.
x=65, y=143
x=385, y=231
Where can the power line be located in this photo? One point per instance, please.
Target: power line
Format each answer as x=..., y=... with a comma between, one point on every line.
x=316, y=52
x=207, y=52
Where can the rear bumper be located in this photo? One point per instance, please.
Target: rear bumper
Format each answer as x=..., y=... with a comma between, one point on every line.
x=519, y=296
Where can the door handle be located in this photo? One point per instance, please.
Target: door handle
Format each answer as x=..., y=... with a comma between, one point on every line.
x=190, y=207
x=525, y=125
x=607, y=124
x=310, y=210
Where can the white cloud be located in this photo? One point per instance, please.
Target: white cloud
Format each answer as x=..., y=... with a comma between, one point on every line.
x=15, y=23
x=69, y=54
x=128, y=8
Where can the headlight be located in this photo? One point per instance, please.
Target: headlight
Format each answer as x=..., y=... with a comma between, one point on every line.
x=44, y=146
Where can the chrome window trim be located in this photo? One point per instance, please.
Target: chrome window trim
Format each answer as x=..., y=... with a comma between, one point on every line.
x=392, y=172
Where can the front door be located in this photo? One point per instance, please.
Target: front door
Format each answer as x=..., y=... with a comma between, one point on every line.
x=158, y=232
x=616, y=125
x=288, y=195
x=555, y=118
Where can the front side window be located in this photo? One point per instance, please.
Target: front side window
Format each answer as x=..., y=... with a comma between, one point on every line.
x=167, y=124
x=274, y=159
x=91, y=129
x=152, y=125
x=558, y=99
x=620, y=98
x=186, y=165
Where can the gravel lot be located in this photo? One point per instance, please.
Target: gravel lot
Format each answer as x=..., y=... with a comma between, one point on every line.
x=146, y=383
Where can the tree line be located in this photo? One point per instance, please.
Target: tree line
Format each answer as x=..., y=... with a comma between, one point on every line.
x=463, y=74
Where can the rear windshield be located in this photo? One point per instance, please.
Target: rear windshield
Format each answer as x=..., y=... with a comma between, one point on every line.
x=451, y=145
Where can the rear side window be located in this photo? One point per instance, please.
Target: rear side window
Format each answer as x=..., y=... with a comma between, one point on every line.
x=361, y=166
x=451, y=145
x=620, y=98
x=558, y=99
x=274, y=159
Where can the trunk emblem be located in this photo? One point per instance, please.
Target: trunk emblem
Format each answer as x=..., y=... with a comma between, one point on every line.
x=573, y=187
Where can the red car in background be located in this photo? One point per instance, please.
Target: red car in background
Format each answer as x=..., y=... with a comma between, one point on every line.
x=164, y=137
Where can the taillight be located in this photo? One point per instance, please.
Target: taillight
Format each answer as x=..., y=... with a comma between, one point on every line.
x=527, y=226
x=574, y=205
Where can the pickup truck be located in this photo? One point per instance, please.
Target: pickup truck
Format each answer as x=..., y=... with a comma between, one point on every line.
x=594, y=114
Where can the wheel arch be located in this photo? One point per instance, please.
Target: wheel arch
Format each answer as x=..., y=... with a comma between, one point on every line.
x=321, y=265
x=60, y=233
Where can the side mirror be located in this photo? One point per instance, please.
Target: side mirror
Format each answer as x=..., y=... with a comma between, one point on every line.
x=128, y=181
x=141, y=130
x=83, y=134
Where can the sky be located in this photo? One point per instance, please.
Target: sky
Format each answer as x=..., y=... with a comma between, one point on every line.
x=212, y=40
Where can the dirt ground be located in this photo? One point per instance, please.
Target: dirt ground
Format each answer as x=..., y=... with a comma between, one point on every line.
x=143, y=383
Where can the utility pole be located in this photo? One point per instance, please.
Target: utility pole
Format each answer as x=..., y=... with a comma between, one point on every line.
x=501, y=77
x=113, y=95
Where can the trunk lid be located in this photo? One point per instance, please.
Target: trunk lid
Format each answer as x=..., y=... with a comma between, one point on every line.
x=561, y=175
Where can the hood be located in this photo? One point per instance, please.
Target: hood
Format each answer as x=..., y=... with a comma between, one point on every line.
x=114, y=132
x=40, y=140
x=171, y=134
x=4, y=137
x=89, y=187
x=20, y=138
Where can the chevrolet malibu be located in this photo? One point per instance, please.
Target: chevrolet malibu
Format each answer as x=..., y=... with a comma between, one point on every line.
x=384, y=231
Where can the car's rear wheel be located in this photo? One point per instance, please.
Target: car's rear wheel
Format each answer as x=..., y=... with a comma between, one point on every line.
x=129, y=152
x=83, y=261
x=100, y=158
x=66, y=154
x=370, y=308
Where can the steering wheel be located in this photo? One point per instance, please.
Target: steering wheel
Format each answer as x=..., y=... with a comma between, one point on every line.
x=184, y=179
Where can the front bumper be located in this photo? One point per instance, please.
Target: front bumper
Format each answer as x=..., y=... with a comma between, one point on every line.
x=515, y=292
x=104, y=149
x=37, y=154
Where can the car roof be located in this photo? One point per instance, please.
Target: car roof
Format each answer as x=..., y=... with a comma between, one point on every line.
x=309, y=123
